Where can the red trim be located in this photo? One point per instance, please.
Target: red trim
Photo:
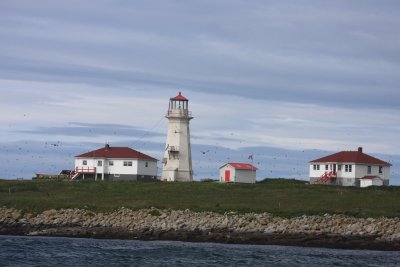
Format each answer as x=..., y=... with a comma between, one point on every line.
x=242, y=166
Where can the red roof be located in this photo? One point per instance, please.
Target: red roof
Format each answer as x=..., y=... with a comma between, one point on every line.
x=179, y=97
x=242, y=166
x=369, y=177
x=351, y=157
x=115, y=153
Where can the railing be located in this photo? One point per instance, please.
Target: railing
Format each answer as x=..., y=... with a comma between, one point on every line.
x=173, y=149
x=326, y=177
x=85, y=170
x=179, y=112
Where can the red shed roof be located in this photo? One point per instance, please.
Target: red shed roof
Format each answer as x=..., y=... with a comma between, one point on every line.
x=179, y=97
x=242, y=166
x=369, y=177
x=115, y=153
x=351, y=157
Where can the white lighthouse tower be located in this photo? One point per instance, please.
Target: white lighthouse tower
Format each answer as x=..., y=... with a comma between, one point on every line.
x=177, y=161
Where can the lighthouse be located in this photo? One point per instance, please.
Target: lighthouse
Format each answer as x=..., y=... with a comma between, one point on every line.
x=177, y=161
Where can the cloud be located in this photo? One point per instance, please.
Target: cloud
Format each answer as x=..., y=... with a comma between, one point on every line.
x=92, y=130
x=333, y=54
x=292, y=75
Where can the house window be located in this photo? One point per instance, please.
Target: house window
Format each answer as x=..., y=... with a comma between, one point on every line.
x=326, y=167
x=99, y=163
x=369, y=169
x=146, y=164
x=84, y=162
x=348, y=168
x=339, y=167
x=316, y=167
x=111, y=163
x=127, y=163
x=380, y=169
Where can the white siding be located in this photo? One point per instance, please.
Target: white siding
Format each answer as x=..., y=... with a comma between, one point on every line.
x=119, y=168
x=90, y=163
x=365, y=182
x=151, y=168
x=137, y=168
x=222, y=173
x=245, y=176
x=237, y=176
x=362, y=170
x=317, y=173
x=347, y=175
x=368, y=182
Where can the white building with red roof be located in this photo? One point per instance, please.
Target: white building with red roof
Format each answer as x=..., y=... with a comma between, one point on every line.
x=350, y=168
x=237, y=173
x=115, y=163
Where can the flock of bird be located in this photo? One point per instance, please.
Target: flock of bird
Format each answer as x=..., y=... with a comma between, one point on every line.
x=53, y=156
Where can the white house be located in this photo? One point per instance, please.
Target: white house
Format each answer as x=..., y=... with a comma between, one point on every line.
x=115, y=163
x=237, y=173
x=350, y=168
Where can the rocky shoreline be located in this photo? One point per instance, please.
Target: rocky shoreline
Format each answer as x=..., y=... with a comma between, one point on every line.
x=332, y=231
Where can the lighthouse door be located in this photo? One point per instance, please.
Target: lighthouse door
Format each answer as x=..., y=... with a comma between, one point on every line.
x=227, y=175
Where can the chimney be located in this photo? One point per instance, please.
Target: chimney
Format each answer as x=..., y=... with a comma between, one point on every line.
x=360, y=149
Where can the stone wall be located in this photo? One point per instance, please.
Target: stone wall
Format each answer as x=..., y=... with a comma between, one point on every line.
x=382, y=229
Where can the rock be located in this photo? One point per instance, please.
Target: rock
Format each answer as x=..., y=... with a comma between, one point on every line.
x=49, y=213
x=15, y=215
x=75, y=220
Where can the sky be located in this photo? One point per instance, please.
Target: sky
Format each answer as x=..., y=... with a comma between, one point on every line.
x=287, y=81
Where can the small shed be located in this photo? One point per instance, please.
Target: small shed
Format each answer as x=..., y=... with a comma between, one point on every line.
x=237, y=173
x=370, y=180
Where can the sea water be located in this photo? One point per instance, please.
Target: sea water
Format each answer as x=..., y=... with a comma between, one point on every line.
x=55, y=251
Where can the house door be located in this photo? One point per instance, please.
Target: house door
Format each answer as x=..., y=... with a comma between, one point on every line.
x=334, y=168
x=227, y=175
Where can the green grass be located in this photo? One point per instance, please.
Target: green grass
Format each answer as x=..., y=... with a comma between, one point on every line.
x=278, y=196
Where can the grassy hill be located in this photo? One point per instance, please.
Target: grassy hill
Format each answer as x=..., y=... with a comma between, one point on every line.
x=278, y=196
